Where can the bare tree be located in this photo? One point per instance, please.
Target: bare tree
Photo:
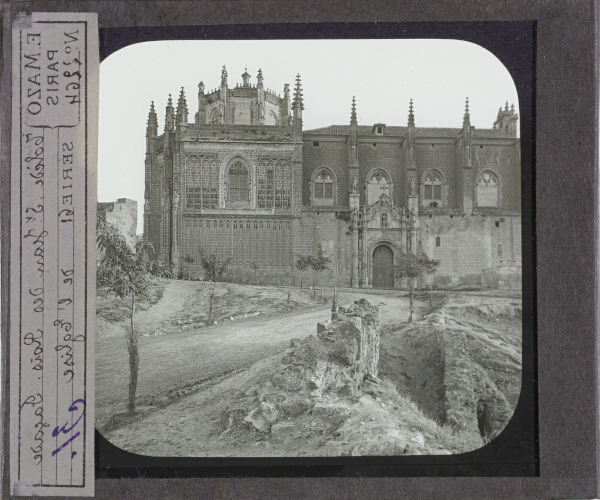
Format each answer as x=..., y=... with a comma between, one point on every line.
x=302, y=264
x=408, y=266
x=430, y=267
x=214, y=270
x=256, y=267
x=319, y=263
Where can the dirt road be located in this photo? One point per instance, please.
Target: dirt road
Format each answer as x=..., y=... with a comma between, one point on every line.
x=169, y=362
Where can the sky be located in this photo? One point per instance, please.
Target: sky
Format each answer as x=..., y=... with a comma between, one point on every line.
x=383, y=75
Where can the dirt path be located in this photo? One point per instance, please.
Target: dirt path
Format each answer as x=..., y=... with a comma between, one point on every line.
x=171, y=362
x=174, y=297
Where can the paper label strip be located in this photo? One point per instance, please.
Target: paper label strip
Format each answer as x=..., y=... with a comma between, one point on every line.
x=53, y=206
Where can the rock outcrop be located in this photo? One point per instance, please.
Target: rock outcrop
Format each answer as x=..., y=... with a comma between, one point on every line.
x=318, y=372
x=473, y=402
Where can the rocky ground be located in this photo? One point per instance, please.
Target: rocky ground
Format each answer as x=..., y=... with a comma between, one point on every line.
x=444, y=384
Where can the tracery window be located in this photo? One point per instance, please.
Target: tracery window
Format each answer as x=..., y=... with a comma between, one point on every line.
x=487, y=190
x=238, y=182
x=378, y=184
x=323, y=188
x=433, y=189
x=215, y=117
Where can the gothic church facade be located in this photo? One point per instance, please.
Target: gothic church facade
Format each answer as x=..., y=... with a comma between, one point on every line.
x=243, y=180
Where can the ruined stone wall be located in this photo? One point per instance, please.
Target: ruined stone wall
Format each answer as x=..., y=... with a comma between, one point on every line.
x=123, y=215
x=469, y=244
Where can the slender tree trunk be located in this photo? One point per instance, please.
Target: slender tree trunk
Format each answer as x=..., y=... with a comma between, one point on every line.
x=289, y=290
x=314, y=284
x=334, y=305
x=134, y=359
x=431, y=292
x=210, y=307
x=410, y=286
x=321, y=284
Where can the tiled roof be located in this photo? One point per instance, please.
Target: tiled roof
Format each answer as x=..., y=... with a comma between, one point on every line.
x=490, y=133
x=392, y=131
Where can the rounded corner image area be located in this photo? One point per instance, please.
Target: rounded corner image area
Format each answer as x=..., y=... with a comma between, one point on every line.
x=317, y=256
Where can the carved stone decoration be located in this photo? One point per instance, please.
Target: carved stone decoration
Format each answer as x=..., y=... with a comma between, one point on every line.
x=175, y=199
x=221, y=112
x=354, y=185
x=413, y=188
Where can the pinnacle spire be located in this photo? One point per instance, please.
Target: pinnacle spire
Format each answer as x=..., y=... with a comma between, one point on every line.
x=467, y=117
x=152, y=127
x=411, y=116
x=353, y=114
x=181, y=97
x=169, y=116
x=182, y=109
x=298, y=103
x=259, y=77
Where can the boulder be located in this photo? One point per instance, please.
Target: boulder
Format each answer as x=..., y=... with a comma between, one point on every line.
x=328, y=417
x=281, y=431
x=258, y=421
x=293, y=407
x=268, y=411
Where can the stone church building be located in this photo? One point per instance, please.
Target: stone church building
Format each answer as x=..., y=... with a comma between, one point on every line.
x=241, y=179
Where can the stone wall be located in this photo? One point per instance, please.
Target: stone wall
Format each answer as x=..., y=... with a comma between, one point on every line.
x=469, y=244
x=502, y=161
x=384, y=153
x=332, y=233
x=440, y=157
x=331, y=154
x=503, y=277
x=123, y=215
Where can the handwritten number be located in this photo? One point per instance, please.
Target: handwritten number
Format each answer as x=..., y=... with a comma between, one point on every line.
x=69, y=272
x=64, y=214
x=69, y=74
x=65, y=430
x=40, y=208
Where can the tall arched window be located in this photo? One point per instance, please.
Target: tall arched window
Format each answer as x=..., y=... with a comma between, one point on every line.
x=433, y=189
x=378, y=184
x=323, y=188
x=487, y=190
x=238, y=183
x=215, y=117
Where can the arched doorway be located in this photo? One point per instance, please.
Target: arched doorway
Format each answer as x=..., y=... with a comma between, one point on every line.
x=383, y=267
